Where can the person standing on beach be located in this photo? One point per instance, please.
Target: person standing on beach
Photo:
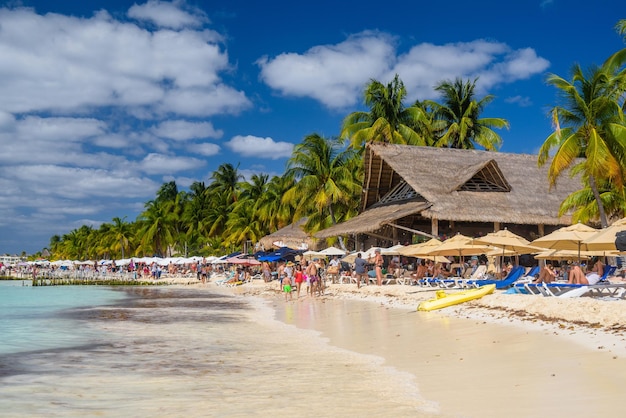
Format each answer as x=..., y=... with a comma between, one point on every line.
x=286, y=283
x=378, y=266
x=311, y=273
x=281, y=272
x=267, y=272
x=299, y=278
x=360, y=269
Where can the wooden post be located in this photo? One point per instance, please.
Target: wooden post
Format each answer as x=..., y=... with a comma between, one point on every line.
x=434, y=227
x=496, y=226
x=541, y=230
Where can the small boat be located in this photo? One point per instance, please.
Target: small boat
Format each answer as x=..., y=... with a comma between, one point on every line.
x=444, y=299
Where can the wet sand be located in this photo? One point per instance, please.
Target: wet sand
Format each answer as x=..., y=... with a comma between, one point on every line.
x=505, y=355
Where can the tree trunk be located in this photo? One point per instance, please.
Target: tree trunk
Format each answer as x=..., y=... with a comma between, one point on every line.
x=596, y=195
x=334, y=221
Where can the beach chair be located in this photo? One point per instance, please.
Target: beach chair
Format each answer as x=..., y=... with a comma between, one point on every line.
x=514, y=275
x=225, y=279
x=567, y=290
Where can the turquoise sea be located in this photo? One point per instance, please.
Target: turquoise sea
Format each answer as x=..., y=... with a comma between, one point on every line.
x=77, y=351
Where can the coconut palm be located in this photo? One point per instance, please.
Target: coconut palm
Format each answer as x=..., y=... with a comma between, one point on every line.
x=589, y=125
x=243, y=225
x=459, y=118
x=225, y=181
x=583, y=206
x=270, y=209
x=158, y=227
x=325, y=180
x=388, y=120
x=120, y=232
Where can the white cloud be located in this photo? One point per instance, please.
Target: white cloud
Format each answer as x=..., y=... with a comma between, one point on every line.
x=332, y=74
x=205, y=102
x=206, y=149
x=522, y=101
x=182, y=130
x=67, y=64
x=253, y=146
x=52, y=181
x=336, y=75
x=168, y=164
x=166, y=14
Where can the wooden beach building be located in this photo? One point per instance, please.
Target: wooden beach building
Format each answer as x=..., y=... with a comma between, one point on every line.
x=426, y=191
x=292, y=236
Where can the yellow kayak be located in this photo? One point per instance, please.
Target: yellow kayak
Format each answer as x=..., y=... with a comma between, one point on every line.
x=444, y=300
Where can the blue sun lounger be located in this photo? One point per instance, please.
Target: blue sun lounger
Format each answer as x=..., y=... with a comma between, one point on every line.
x=514, y=275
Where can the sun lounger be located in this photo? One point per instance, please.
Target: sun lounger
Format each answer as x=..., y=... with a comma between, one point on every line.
x=565, y=290
x=514, y=275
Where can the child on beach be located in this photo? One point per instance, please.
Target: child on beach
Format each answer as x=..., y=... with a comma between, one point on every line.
x=287, y=287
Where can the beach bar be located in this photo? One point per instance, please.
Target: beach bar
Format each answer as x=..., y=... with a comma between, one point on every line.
x=428, y=192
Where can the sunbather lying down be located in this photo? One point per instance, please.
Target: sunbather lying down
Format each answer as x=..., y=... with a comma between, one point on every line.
x=576, y=276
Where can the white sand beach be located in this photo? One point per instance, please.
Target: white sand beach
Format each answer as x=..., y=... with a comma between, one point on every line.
x=503, y=355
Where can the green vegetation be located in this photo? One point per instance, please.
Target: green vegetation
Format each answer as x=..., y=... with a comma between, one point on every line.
x=590, y=125
x=323, y=178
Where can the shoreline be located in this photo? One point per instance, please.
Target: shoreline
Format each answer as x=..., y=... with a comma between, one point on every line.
x=527, y=355
x=598, y=324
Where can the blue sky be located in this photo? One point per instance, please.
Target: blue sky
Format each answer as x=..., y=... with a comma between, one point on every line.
x=103, y=101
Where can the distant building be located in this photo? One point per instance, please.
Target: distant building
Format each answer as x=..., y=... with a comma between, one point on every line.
x=9, y=260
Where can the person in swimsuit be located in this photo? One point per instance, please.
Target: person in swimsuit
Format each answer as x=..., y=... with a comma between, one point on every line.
x=378, y=265
x=287, y=287
x=311, y=273
x=299, y=277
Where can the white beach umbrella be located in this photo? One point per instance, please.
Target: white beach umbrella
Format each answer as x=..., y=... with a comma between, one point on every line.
x=331, y=251
x=395, y=250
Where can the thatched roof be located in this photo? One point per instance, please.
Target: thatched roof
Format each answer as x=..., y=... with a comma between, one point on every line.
x=373, y=219
x=455, y=185
x=292, y=236
x=468, y=185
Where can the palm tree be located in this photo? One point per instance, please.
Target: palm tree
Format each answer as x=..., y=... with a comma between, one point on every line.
x=270, y=209
x=193, y=216
x=225, y=181
x=462, y=127
x=325, y=180
x=243, y=226
x=217, y=213
x=158, y=226
x=582, y=203
x=388, y=120
x=121, y=234
x=593, y=129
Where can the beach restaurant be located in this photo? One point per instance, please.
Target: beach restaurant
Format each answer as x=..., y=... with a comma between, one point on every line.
x=438, y=192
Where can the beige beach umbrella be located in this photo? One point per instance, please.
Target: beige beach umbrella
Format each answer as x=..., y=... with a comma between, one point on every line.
x=508, y=242
x=436, y=258
x=421, y=249
x=604, y=239
x=566, y=238
x=458, y=245
x=563, y=255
